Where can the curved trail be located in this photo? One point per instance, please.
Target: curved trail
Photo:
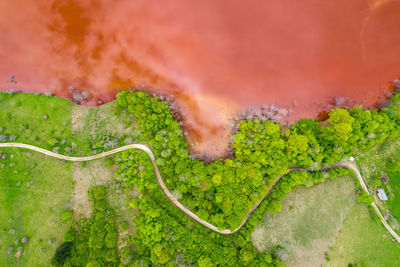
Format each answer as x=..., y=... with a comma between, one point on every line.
x=349, y=165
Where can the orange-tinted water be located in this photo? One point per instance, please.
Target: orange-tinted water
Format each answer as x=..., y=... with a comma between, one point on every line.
x=217, y=57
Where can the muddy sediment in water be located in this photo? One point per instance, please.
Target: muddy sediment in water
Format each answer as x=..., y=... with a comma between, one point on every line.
x=218, y=58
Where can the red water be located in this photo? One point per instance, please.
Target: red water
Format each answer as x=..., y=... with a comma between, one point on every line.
x=217, y=57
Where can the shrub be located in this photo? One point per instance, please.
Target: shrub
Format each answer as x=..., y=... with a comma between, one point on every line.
x=99, y=192
x=69, y=236
x=111, y=239
x=93, y=263
x=63, y=252
x=100, y=205
x=66, y=215
x=109, y=163
x=123, y=226
x=364, y=197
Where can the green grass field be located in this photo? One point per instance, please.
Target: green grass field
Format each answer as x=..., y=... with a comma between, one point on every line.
x=308, y=223
x=326, y=219
x=34, y=191
x=364, y=241
x=22, y=115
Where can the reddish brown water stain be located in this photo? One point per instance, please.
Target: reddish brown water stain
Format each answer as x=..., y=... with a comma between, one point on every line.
x=217, y=57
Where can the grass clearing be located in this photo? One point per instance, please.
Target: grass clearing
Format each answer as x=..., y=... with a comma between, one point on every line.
x=22, y=115
x=93, y=174
x=98, y=129
x=364, y=241
x=34, y=210
x=308, y=223
x=33, y=194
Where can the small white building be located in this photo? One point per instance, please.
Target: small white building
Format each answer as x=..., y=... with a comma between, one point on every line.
x=382, y=194
x=351, y=159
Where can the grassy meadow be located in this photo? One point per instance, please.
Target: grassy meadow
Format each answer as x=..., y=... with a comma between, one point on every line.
x=39, y=120
x=363, y=241
x=36, y=189
x=308, y=223
x=326, y=220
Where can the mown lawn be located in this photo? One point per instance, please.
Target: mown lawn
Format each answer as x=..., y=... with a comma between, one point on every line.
x=34, y=191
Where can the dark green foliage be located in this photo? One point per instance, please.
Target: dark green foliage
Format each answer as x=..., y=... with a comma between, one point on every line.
x=93, y=241
x=63, y=252
x=223, y=191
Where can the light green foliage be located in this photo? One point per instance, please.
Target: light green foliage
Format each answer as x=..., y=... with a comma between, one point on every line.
x=341, y=123
x=363, y=197
x=224, y=191
x=66, y=215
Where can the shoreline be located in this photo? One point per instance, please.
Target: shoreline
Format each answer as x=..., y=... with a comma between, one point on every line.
x=264, y=112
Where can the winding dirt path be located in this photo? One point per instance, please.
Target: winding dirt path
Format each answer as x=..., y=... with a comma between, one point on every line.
x=349, y=165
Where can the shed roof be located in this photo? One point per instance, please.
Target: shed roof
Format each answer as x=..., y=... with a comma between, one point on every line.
x=382, y=194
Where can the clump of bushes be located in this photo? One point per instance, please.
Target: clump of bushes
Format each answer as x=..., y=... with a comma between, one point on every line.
x=93, y=241
x=63, y=252
x=67, y=215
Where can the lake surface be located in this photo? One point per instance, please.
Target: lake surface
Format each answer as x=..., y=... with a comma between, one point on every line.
x=218, y=58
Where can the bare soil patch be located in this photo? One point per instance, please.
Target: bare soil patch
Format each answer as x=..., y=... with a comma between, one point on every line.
x=95, y=173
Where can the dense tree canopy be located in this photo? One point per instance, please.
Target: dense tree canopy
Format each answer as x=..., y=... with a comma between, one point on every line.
x=223, y=191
